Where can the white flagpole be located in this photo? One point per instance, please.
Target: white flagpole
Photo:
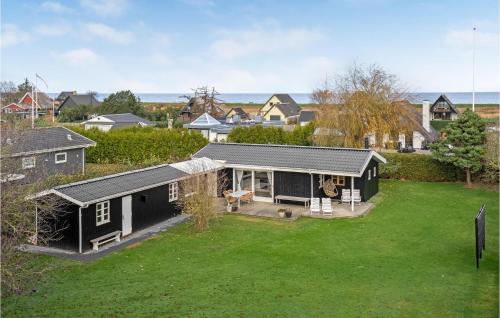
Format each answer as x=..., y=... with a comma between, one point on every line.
x=473, y=67
x=32, y=107
x=36, y=94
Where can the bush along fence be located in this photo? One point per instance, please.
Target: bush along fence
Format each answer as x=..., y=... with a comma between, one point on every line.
x=418, y=167
x=141, y=145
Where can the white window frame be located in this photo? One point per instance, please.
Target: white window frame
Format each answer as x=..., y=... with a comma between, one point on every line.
x=61, y=161
x=102, y=211
x=173, y=191
x=32, y=163
x=374, y=171
x=369, y=174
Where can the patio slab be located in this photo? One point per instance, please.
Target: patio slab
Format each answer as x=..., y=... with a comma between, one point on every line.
x=270, y=210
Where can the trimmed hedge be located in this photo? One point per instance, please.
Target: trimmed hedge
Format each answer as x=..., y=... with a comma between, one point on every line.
x=418, y=167
x=141, y=145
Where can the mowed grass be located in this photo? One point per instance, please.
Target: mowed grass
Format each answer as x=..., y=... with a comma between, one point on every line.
x=412, y=256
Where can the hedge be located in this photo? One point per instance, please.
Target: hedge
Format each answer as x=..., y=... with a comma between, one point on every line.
x=141, y=145
x=418, y=167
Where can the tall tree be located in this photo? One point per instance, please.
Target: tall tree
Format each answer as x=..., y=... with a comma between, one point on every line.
x=122, y=102
x=8, y=92
x=25, y=87
x=368, y=100
x=323, y=95
x=464, y=143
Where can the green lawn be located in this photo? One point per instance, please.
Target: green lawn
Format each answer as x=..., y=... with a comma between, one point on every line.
x=412, y=256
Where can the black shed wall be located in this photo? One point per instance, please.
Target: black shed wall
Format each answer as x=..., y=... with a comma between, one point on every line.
x=64, y=227
x=292, y=183
x=90, y=230
x=151, y=206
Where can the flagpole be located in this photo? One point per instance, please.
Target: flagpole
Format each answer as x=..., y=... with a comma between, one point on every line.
x=473, y=67
x=36, y=94
x=32, y=107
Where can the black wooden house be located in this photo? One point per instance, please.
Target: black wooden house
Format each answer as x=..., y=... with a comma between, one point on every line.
x=282, y=170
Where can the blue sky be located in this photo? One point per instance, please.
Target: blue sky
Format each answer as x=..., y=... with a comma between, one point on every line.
x=247, y=46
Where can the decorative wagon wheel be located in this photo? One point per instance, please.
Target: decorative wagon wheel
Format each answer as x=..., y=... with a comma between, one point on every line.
x=329, y=188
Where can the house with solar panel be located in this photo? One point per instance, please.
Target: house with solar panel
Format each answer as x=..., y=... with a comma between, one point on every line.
x=110, y=208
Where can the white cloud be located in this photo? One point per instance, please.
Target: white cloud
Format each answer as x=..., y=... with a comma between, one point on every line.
x=259, y=40
x=160, y=58
x=56, y=7
x=106, y=7
x=108, y=33
x=12, y=35
x=56, y=29
x=464, y=38
x=137, y=86
x=81, y=55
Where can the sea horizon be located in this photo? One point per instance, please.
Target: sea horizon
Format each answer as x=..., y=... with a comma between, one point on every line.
x=305, y=98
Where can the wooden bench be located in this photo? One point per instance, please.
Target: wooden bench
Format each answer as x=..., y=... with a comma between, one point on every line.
x=280, y=197
x=113, y=236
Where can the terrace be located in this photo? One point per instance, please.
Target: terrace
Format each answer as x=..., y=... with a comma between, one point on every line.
x=270, y=210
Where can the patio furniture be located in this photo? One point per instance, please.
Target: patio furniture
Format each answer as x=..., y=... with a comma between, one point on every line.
x=315, y=207
x=113, y=236
x=247, y=198
x=346, y=196
x=238, y=194
x=326, y=206
x=356, y=196
x=280, y=197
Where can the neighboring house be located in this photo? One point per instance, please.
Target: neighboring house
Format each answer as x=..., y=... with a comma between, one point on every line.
x=306, y=116
x=78, y=100
x=40, y=99
x=218, y=130
x=278, y=99
x=14, y=108
x=197, y=106
x=272, y=170
x=123, y=203
x=236, y=114
x=204, y=124
x=113, y=121
x=287, y=113
x=34, y=154
x=62, y=96
x=443, y=109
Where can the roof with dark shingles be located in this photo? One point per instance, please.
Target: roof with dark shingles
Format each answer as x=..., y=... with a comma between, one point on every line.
x=239, y=111
x=444, y=98
x=345, y=160
x=287, y=109
x=286, y=99
x=95, y=190
x=307, y=116
x=18, y=142
x=81, y=99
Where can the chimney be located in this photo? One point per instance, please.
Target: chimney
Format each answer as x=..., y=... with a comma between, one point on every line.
x=69, y=137
x=426, y=115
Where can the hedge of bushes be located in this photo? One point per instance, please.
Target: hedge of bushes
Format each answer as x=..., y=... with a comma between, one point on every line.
x=418, y=167
x=300, y=135
x=141, y=145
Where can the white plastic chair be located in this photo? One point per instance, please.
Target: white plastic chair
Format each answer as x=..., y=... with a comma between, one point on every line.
x=315, y=208
x=326, y=206
x=346, y=196
x=356, y=196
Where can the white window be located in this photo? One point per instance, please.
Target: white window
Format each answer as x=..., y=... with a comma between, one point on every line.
x=369, y=174
x=61, y=157
x=102, y=213
x=28, y=162
x=173, y=191
x=374, y=171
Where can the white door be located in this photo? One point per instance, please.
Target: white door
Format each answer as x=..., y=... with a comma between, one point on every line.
x=126, y=215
